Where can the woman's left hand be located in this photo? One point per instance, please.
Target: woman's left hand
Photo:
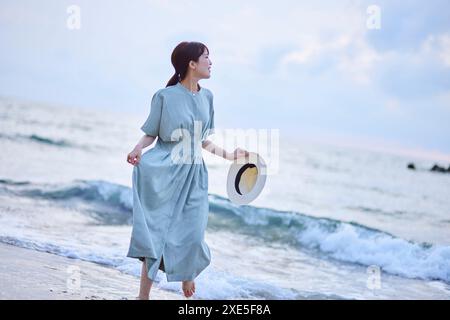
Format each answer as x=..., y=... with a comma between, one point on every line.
x=238, y=153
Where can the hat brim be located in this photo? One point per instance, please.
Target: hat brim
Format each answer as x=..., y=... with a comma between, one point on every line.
x=236, y=195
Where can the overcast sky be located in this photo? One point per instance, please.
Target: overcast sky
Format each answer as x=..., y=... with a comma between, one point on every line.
x=308, y=68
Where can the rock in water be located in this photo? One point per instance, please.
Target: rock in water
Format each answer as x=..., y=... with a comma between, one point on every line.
x=438, y=168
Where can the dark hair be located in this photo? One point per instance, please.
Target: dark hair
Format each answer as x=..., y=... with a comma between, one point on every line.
x=183, y=53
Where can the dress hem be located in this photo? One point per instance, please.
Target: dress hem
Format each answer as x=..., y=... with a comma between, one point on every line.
x=170, y=277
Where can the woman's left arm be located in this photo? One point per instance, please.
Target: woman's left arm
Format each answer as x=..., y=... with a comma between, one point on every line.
x=215, y=149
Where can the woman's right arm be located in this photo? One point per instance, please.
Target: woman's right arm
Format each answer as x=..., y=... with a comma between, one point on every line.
x=135, y=155
x=145, y=141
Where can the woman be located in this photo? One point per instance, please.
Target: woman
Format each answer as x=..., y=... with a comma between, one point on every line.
x=170, y=197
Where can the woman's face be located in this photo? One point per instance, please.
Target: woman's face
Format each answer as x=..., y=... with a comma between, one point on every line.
x=203, y=66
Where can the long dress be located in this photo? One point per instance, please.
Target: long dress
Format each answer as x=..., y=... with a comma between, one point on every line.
x=170, y=186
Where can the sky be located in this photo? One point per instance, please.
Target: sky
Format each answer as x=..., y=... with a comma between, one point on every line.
x=312, y=69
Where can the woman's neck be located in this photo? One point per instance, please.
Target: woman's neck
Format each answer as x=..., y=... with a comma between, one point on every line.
x=191, y=84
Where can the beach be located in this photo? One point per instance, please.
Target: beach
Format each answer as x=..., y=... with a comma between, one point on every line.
x=32, y=275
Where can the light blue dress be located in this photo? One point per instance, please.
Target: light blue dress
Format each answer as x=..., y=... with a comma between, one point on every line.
x=170, y=194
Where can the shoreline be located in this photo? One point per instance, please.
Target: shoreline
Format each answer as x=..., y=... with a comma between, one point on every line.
x=26, y=274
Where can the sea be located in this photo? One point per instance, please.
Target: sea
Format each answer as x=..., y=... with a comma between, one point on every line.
x=333, y=221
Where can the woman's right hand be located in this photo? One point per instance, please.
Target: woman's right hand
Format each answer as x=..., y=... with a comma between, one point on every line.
x=134, y=156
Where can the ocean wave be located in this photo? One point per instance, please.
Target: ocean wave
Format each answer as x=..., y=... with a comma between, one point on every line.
x=213, y=283
x=39, y=139
x=343, y=241
x=51, y=142
x=107, y=202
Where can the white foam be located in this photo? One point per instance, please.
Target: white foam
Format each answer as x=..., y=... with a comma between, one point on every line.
x=397, y=256
x=212, y=283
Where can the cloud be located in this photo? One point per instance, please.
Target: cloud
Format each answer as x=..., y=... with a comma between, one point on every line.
x=422, y=74
x=299, y=63
x=438, y=46
x=349, y=56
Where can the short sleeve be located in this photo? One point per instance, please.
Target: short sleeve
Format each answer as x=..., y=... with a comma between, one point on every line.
x=151, y=125
x=211, y=126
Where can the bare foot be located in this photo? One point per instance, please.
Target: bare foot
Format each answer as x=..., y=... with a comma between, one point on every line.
x=188, y=288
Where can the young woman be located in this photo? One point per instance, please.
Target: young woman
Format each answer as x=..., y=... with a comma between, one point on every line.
x=170, y=196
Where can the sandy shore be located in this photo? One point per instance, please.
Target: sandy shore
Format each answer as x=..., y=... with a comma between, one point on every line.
x=30, y=274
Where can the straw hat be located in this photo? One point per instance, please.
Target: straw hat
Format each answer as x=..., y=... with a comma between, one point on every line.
x=246, y=179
